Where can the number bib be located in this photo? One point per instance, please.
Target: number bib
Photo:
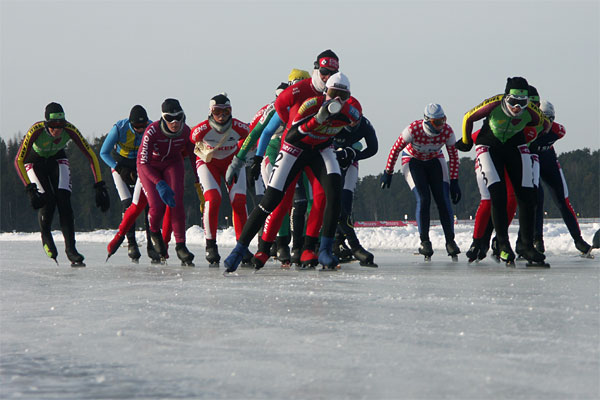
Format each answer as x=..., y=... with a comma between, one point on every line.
x=286, y=158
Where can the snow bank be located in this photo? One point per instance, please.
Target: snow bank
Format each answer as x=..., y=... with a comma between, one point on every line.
x=556, y=236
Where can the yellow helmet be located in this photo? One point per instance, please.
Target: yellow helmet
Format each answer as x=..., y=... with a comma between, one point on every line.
x=297, y=75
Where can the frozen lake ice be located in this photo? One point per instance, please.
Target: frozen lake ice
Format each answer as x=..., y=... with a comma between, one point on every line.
x=408, y=329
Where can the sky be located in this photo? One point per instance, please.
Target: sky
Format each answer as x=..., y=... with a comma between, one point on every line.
x=99, y=58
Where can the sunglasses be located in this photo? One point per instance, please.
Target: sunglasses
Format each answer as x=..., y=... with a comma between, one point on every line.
x=141, y=125
x=173, y=117
x=514, y=101
x=221, y=111
x=55, y=124
x=334, y=93
x=326, y=71
x=437, y=122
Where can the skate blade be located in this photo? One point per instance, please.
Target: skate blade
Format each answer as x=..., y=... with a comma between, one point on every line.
x=369, y=265
x=187, y=264
x=427, y=258
x=307, y=267
x=134, y=260
x=286, y=265
x=213, y=265
x=78, y=264
x=530, y=265
x=587, y=255
x=325, y=268
x=454, y=258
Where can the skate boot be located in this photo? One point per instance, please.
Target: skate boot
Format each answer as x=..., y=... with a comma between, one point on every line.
x=505, y=252
x=426, y=250
x=473, y=252
x=452, y=249
x=340, y=250
x=363, y=256
x=212, y=253
x=283, y=251
x=260, y=259
x=496, y=251
x=273, y=250
x=152, y=254
x=234, y=259
x=519, y=248
x=295, y=256
x=159, y=245
x=584, y=247
x=184, y=255
x=539, y=245
x=308, y=259
x=49, y=246
x=534, y=258
x=596, y=240
x=133, y=251
x=74, y=256
x=114, y=245
x=483, y=250
x=247, y=260
x=326, y=257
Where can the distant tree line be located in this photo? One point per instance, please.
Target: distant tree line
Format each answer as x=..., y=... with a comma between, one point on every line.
x=581, y=169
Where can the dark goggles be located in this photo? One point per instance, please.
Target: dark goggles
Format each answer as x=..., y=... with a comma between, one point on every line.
x=436, y=122
x=515, y=101
x=334, y=93
x=140, y=125
x=56, y=124
x=221, y=111
x=173, y=117
x=326, y=71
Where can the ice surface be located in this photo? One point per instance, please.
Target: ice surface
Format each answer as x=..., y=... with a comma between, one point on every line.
x=408, y=329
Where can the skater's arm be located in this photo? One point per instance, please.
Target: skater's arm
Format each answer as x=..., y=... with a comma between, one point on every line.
x=85, y=148
x=370, y=140
x=109, y=144
x=26, y=146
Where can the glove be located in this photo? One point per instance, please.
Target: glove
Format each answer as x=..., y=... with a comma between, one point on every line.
x=128, y=175
x=386, y=179
x=38, y=200
x=200, y=194
x=255, y=167
x=324, y=112
x=462, y=146
x=455, y=194
x=102, y=199
x=233, y=171
x=345, y=157
x=166, y=193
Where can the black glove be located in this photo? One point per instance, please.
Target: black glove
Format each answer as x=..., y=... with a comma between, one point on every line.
x=102, y=199
x=38, y=200
x=462, y=146
x=128, y=175
x=345, y=157
x=455, y=194
x=255, y=167
x=386, y=180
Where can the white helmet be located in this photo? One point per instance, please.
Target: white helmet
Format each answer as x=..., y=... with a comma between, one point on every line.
x=548, y=109
x=338, y=81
